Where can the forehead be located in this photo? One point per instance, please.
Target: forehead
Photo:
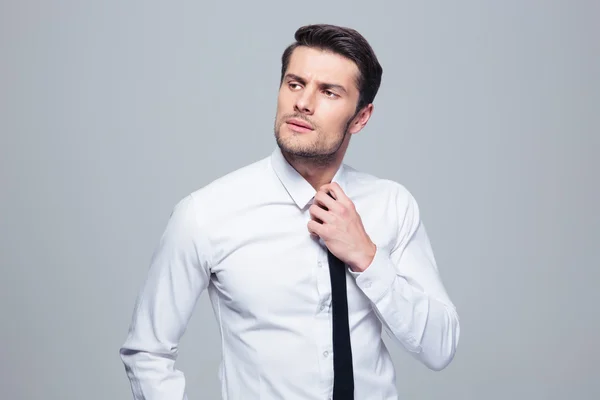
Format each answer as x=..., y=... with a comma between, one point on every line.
x=323, y=66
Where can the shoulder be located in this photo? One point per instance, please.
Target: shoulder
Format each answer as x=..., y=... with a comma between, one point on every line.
x=402, y=209
x=385, y=188
x=222, y=194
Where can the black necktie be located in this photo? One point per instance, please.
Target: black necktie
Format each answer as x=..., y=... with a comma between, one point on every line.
x=343, y=380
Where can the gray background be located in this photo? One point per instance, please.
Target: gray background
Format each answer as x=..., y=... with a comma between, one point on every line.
x=111, y=111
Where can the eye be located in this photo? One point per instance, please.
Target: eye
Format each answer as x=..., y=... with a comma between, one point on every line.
x=294, y=85
x=330, y=94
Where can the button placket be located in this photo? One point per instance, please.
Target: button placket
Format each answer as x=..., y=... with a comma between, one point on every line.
x=323, y=336
x=323, y=316
x=323, y=282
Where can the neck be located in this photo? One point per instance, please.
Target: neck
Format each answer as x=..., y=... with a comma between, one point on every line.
x=317, y=174
x=318, y=171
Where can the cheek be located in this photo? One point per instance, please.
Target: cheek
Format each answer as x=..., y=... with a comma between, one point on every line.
x=334, y=117
x=284, y=100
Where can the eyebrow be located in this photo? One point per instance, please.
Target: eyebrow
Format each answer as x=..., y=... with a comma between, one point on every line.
x=322, y=85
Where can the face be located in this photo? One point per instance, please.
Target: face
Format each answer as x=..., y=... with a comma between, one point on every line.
x=316, y=106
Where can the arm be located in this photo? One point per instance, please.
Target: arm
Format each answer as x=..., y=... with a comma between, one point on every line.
x=179, y=272
x=408, y=295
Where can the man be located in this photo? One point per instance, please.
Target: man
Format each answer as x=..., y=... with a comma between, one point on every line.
x=305, y=259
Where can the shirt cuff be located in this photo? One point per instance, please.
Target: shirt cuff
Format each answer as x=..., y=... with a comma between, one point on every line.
x=377, y=279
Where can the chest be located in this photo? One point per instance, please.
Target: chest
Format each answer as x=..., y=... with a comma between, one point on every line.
x=268, y=265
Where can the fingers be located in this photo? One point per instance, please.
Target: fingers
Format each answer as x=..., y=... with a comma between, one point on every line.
x=329, y=204
x=335, y=191
x=319, y=214
x=314, y=228
x=320, y=230
x=324, y=199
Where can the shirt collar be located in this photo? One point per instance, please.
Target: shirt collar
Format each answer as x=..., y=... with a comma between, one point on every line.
x=298, y=188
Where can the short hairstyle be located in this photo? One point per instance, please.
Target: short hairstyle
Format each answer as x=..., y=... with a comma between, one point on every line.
x=348, y=43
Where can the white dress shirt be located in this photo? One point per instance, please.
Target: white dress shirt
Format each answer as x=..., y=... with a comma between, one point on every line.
x=244, y=238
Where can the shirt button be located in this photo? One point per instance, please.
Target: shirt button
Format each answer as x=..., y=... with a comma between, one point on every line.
x=367, y=284
x=320, y=264
x=325, y=353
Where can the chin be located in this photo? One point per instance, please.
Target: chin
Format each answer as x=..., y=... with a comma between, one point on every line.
x=292, y=147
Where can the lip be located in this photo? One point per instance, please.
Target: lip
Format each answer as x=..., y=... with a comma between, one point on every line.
x=298, y=123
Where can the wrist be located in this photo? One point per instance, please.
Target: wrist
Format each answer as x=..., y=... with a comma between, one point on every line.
x=365, y=259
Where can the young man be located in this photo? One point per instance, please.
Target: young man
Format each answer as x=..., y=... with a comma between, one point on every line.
x=305, y=259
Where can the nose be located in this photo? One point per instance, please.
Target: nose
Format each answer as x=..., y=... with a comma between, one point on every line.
x=305, y=102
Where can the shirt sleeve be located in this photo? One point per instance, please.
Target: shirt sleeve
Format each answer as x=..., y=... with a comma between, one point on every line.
x=179, y=272
x=407, y=293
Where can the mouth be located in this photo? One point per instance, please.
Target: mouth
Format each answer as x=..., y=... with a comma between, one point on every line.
x=298, y=125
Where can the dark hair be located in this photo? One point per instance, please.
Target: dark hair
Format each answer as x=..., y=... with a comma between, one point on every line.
x=348, y=43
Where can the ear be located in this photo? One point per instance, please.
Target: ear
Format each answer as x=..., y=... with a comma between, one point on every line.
x=361, y=119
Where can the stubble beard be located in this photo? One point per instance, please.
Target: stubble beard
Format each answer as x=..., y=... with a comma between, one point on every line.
x=313, y=153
